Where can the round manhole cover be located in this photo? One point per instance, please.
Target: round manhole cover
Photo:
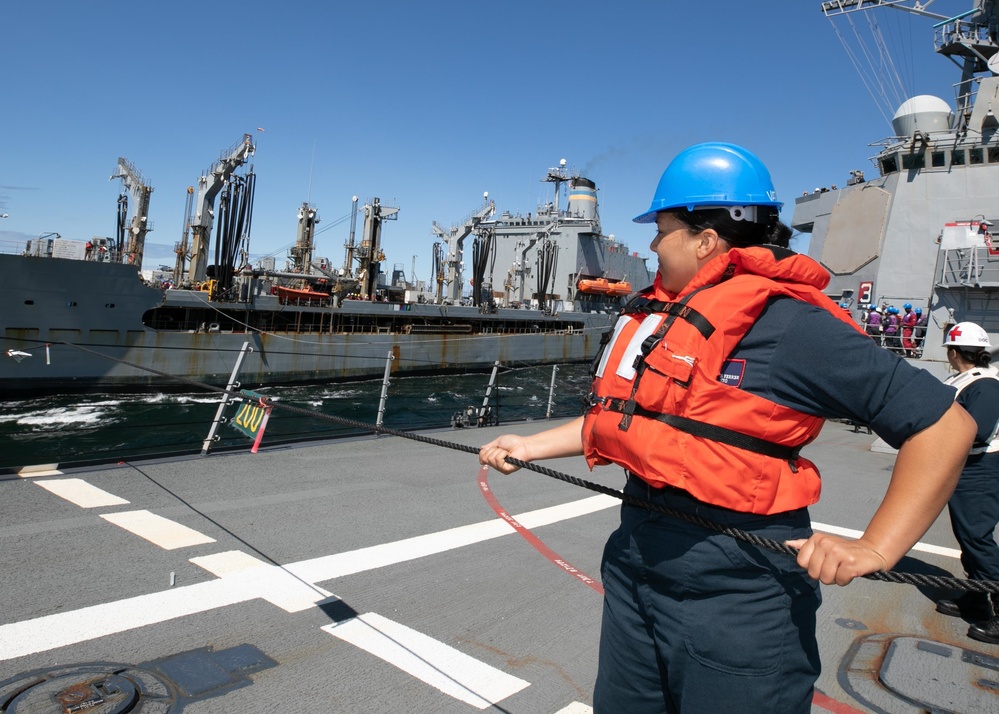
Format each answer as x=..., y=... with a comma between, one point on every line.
x=85, y=690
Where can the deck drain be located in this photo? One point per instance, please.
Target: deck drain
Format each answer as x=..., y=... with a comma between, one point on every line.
x=158, y=687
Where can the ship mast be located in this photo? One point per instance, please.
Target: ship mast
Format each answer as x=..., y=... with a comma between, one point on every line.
x=969, y=40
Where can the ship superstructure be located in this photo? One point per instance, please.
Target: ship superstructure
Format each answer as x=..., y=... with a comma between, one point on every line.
x=918, y=230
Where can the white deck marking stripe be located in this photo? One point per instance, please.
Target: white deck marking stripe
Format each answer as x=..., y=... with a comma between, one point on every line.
x=68, y=628
x=158, y=530
x=79, y=492
x=269, y=582
x=924, y=547
x=329, y=567
x=441, y=666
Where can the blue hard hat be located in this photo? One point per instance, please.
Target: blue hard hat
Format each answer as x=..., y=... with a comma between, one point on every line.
x=713, y=174
x=893, y=310
x=907, y=306
x=844, y=304
x=919, y=311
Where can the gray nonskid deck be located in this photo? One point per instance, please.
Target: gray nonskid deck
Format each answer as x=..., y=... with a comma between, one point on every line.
x=398, y=587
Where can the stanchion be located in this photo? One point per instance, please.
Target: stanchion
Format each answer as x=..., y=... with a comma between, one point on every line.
x=551, y=393
x=385, y=385
x=207, y=444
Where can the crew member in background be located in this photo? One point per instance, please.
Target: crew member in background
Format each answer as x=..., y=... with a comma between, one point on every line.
x=919, y=332
x=710, y=383
x=874, y=323
x=974, y=507
x=891, y=326
x=908, y=325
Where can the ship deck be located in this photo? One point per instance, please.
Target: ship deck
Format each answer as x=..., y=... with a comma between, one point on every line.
x=371, y=575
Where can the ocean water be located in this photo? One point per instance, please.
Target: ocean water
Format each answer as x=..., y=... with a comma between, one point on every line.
x=111, y=427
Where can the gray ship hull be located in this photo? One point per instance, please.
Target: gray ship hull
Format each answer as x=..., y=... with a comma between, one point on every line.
x=82, y=323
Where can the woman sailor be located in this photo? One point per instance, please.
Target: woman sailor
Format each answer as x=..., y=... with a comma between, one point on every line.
x=974, y=507
x=711, y=382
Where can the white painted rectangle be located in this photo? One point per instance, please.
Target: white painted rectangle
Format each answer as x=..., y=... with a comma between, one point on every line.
x=439, y=665
x=80, y=493
x=39, y=470
x=160, y=531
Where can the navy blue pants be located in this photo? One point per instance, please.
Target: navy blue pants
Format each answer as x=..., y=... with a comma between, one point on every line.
x=695, y=621
x=974, y=513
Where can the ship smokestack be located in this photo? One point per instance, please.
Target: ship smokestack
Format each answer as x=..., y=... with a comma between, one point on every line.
x=583, y=199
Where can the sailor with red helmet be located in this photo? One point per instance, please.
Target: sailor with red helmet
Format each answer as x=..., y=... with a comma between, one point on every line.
x=709, y=385
x=974, y=507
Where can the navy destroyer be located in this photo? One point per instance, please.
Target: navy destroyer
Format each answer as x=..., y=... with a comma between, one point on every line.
x=918, y=229
x=80, y=317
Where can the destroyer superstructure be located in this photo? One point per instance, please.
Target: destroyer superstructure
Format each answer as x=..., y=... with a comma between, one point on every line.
x=919, y=230
x=544, y=286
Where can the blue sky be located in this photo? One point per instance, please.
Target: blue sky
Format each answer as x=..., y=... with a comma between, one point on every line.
x=425, y=105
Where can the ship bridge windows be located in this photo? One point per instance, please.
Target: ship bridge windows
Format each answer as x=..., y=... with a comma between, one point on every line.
x=889, y=164
x=939, y=159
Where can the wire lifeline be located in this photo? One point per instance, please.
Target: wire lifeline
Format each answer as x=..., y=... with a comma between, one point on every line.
x=890, y=576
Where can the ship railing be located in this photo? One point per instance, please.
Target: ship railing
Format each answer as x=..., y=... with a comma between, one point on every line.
x=957, y=31
x=522, y=393
x=973, y=267
x=12, y=247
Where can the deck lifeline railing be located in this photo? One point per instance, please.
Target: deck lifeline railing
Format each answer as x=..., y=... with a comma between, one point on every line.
x=484, y=415
x=96, y=429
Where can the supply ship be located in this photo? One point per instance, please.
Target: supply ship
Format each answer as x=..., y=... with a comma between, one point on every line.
x=81, y=317
x=919, y=228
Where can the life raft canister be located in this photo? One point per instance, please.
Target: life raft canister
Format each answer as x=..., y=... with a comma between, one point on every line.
x=665, y=405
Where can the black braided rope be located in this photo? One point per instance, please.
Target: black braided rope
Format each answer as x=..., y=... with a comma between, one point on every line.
x=889, y=576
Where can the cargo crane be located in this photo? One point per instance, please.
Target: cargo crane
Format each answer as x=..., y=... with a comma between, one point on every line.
x=455, y=239
x=301, y=253
x=209, y=186
x=131, y=249
x=369, y=254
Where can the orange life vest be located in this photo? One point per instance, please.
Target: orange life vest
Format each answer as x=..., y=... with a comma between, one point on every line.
x=660, y=405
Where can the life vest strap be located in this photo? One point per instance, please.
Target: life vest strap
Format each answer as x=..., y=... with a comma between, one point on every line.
x=708, y=431
x=673, y=309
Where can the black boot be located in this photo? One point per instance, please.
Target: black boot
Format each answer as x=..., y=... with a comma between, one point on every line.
x=988, y=631
x=972, y=606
